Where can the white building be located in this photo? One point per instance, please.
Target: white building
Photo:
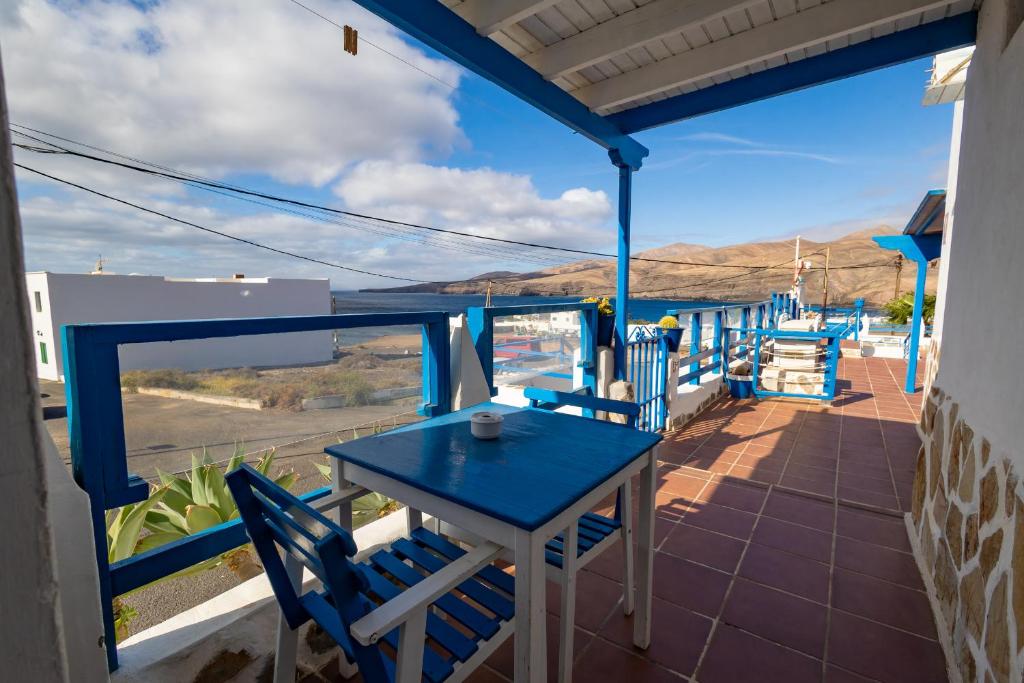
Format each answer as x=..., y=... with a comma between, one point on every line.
x=58, y=299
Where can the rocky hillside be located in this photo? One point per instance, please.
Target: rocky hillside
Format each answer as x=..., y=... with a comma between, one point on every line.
x=671, y=281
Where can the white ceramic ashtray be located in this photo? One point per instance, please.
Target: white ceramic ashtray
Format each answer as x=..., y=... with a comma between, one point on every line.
x=485, y=425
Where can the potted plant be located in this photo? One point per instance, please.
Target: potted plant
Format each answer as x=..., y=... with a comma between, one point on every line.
x=605, y=319
x=671, y=331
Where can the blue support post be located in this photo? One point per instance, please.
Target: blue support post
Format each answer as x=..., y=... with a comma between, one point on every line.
x=744, y=325
x=436, y=368
x=760, y=317
x=920, y=249
x=722, y=357
x=910, y=386
x=482, y=332
x=859, y=307
x=695, y=333
x=622, y=284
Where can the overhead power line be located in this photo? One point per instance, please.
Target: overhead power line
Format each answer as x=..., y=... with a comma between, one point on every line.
x=219, y=233
x=194, y=180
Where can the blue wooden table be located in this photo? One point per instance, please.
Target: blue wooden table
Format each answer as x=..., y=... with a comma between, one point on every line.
x=519, y=490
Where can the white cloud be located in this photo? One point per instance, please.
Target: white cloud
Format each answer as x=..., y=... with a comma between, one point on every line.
x=482, y=201
x=720, y=137
x=252, y=86
x=253, y=89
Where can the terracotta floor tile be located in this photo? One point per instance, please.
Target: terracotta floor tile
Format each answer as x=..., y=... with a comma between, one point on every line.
x=484, y=674
x=503, y=659
x=610, y=663
x=796, y=469
x=818, y=486
x=741, y=497
x=834, y=674
x=689, y=585
x=602, y=595
x=793, y=508
x=867, y=483
x=879, y=500
x=873, y=528
x=760, y=474
x=776, y=616
x=677, y=639
x=729, y=521
x=773, y=461
x=681, y=485
x=704, y=547
x=882, y=601
x=792, y=573
x=735, y=656
x=793, y=538
x=883, y=653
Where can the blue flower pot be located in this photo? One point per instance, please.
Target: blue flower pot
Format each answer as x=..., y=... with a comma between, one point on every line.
x=605, y=329
x=672, y=337
x=740, y=387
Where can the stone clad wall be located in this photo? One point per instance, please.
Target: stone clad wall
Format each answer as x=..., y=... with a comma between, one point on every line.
x=968, y=514
x=967, y=517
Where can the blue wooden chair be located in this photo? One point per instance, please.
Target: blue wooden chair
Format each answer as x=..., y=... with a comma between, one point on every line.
x=409, y=596
x=594, y=533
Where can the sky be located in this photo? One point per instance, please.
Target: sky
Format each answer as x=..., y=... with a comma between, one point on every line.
x=260, y=94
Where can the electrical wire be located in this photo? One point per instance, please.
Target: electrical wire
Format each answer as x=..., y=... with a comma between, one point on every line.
x=243, y=240
x=172, y=174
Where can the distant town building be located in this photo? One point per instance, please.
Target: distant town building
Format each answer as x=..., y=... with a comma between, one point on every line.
x=58, y=299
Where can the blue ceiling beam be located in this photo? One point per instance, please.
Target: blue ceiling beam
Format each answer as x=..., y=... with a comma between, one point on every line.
x=435, y=25
x=895, y=48
x=918, y=248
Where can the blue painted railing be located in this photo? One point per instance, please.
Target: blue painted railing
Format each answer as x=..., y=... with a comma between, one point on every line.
x=715, y=359
x=853, y=315
x=830, y=337
x=96, y=427
x=480, y=320
x=647, y=370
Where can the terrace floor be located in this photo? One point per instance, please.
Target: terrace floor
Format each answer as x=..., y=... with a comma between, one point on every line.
x=781, y=550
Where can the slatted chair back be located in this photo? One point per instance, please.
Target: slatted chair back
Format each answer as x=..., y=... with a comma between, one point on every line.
x=549, y=399
x=276, y=520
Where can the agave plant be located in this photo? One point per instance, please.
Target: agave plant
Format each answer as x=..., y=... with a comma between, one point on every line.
x=199, y=500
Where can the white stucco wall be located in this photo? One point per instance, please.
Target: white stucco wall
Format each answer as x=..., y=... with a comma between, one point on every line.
x=947, y=231
x=984, y=310
x=76, y=298
x=32, y=636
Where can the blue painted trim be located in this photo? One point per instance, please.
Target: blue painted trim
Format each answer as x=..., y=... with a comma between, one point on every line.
x=96, y=420
x=859, y=307
x=538, y=396
x=622, y=271
x=441, y=29
x=695, y=339
x=694, y=376
x=918, y=248
x=719, y=341
x=480, y=321
x=921, y=249
x=895, y=48
x=140, y=570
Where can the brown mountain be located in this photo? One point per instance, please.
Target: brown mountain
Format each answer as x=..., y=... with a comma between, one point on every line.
x=857, y=268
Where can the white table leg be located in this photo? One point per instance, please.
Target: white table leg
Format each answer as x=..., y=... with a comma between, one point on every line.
x=342, y=515
x=287, y=639
x=531, y=584
x=568, y=621
x=411, y=637
x=626, y=533
x=645, y=550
